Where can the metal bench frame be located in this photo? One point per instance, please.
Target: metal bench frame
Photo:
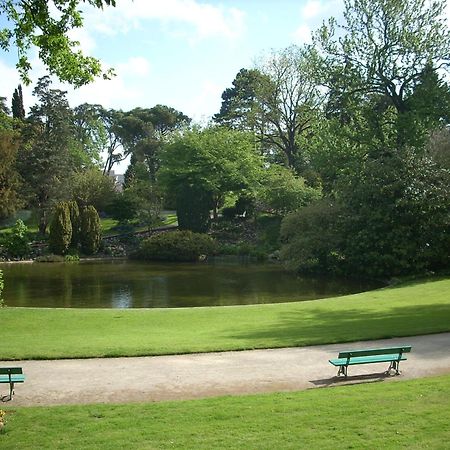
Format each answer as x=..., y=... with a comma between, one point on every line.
x=393, y=355
x=15, y=375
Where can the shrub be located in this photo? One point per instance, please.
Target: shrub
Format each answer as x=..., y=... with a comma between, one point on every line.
x=60, y=229
x=91, y=231
x=17, y=244
x=282, y=192
x=176, y=246
x=74, y=212
x=193, y=206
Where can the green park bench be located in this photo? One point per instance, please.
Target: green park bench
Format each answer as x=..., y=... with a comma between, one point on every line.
x=11, y=375
x=392, y=355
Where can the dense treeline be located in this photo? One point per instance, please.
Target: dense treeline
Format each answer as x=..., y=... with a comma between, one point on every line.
x=346, y=140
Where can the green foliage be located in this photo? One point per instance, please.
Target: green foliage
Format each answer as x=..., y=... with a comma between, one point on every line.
x=145, y=195
x=18, y=110
x=17, y=243
x=176, y=246
x=61, y=229
x=47, y=158
x=123, y=207
x=91, y=187
x=392, y=217
x=193, y=207
x=75, y=222
x=9, y=178
x=203, y=166
x=46, y=25
x=91, y=231
x=311, y=238
x=282, y=192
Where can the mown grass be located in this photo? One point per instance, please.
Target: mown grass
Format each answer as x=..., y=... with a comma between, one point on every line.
x=404, y=414
x=412, y=309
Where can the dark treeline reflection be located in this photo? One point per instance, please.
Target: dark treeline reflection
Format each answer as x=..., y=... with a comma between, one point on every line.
x=125, y=284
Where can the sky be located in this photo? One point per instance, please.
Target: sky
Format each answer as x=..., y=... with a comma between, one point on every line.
x=179, y=53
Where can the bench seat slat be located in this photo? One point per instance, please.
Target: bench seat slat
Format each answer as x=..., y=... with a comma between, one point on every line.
x=14, y=378
x=366, y=360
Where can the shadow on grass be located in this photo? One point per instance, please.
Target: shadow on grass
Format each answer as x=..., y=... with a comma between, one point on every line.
x=317, y=326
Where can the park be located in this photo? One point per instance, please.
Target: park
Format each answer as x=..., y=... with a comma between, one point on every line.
x=276, y=276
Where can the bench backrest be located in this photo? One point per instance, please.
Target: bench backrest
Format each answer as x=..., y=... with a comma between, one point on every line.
x=10, y=370
x=375, y=351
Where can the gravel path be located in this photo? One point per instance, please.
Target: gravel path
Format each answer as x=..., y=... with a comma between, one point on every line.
x=147, y=379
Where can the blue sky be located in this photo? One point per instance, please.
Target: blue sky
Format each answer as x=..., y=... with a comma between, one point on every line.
x=181, y=53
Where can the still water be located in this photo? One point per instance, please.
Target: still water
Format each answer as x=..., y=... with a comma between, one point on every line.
x=130, y=284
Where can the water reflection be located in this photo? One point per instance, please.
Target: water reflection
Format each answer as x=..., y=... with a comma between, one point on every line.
x=125, y=284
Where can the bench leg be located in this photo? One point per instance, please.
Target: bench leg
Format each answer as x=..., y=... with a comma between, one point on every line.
x=394, y=366
x=11, y=390
x=342, y=371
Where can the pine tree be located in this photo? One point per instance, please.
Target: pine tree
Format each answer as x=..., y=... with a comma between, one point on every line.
x=18, y=109
x=60, y=229
x=91, y=233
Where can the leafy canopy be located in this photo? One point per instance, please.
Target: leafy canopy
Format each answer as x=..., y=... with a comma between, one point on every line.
x=45, y=25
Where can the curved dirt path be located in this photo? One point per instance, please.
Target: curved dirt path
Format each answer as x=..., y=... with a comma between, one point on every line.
x=147, y=379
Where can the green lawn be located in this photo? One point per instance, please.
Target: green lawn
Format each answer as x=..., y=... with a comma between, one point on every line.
x=412, y=309
x=397, y=415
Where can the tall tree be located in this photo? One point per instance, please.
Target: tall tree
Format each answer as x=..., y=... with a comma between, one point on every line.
x=48, y=160
x=240, y=102
x=9, y=178
x=90, y=133
x=385, y=49
x=18, y=110
x=205, y=165
x=288, y=101
x=143, y=132
x=45, y=24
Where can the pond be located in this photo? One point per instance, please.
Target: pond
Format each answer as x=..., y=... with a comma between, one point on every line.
x=130, y=284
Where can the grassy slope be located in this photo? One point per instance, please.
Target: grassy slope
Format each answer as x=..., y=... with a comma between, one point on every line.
x=417, y=308
x=405, y=414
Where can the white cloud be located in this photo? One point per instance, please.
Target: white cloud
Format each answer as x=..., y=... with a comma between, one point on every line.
x=204, y=20
x=81, y=35
x=135, y=66
x=302, y=35
x=123, y=91
x=312, y=9
x=207, y=99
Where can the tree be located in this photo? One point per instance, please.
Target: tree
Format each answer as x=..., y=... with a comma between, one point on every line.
x=60, y=229
x=144, y=131
x=111, y=119
x=91, y=187
x=146, y=196
x=48, y=156
x=45, y=25
x=288, y=99
x=9, y=177
x=387, y=47
x=202, y=166
x=240, y=102
x=18, y=110
x=90, y=133
x=283, y=192
x=91, y=230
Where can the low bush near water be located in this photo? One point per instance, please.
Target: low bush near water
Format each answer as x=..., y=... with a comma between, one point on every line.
x=176, y=246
